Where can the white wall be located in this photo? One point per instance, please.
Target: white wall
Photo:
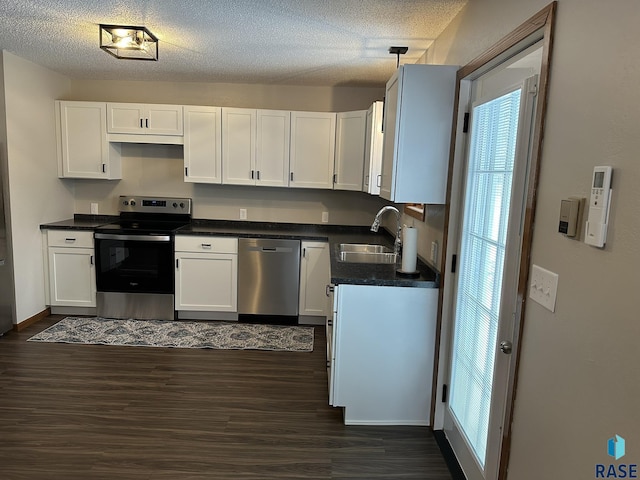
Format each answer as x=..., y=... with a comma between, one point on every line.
x=277, y=97
x=35, y=194
x=578, y=382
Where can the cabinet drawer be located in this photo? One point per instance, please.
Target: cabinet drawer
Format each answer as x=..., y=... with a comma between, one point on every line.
x=194, y=243
x=70, y=238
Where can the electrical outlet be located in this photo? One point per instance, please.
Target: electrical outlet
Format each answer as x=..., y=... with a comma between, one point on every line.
x=243, y=214
x=543, y=287
x=325, y=217
x=94, y=209
x=434, y=252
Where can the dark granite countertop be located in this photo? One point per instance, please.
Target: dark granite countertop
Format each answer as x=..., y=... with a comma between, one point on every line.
x=80, y=222
x=341, y=272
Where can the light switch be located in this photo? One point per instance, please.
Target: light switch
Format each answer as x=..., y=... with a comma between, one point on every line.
x=543, y=287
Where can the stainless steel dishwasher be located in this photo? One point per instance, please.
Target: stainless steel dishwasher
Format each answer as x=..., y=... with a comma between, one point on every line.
x=268, y=276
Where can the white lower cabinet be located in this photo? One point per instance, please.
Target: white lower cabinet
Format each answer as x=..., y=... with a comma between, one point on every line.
x=72, y=276
x=315, y=274
x=382, y=344
x=206, y=276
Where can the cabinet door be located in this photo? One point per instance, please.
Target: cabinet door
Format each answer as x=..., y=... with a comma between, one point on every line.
x=83, y=147
x=163, y=120
x=349, y=164
x=238, y=146
x=206, y=282
x=315, y=275
x=312, y=149
x=144, y=119
x=417, y=133
x=373, y=150
x=72, y=278
x=125, y=118
x=388, y=150
x=272, y=151
x=202, y=145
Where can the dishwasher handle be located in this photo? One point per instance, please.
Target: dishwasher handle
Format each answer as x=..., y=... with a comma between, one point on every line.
x=270, y=249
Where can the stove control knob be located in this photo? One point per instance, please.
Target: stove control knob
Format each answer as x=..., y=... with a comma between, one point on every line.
x=125, y=203
x=181, y=205
x=175, y=205
x=133, y=203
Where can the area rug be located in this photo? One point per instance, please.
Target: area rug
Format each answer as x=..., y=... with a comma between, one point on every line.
x=178, y=334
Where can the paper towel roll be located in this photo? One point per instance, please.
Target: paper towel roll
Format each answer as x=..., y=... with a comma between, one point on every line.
x=409, y=249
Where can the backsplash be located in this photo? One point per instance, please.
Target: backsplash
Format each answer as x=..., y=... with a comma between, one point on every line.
x=158, y=170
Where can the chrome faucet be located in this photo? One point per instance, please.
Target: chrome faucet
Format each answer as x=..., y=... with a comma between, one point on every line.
x=376, y=224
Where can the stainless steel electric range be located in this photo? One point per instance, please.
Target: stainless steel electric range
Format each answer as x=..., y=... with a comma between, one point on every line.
x=134, y=258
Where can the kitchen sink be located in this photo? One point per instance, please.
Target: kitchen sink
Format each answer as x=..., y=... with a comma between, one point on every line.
x=366, y=253
x=364, y=248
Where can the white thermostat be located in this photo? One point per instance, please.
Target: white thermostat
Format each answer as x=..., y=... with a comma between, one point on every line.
x=599, y=203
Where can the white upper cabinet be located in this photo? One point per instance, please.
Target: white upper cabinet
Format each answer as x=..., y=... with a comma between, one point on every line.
x=145, y=119
x=373, y=149
x=83, y=148
x=238, y=146
x=255, y=147
x=272, y=151
x=417, y=132
x=202, y=144
x=350, y=148
x=312, y=149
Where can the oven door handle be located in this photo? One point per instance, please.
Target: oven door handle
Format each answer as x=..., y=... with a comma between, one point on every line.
x=140, y=238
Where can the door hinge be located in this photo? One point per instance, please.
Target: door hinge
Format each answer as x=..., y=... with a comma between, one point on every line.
x=465, y=125
x=445, y=390
x=454, y=263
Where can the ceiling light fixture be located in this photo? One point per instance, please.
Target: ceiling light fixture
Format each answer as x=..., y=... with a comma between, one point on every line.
x=129, y=43
x=398, y=51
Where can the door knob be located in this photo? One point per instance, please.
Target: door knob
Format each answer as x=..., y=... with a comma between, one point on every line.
x=506, y=347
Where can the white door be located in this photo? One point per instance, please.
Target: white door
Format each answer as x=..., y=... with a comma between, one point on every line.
x=238, y=146
x=350, y=146
x=206, y=282
x=83, y=141
x=72, y=277
x=485, y=300
x=202, y=144
x=313, y=139
x=272, y=151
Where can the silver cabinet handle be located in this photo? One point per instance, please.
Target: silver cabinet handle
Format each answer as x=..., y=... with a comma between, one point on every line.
x=379, y=181
x=206, y=245
x=69, y=240
x=329, y=290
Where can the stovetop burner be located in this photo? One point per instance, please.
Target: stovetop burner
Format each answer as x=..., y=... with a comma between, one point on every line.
x=150, y=215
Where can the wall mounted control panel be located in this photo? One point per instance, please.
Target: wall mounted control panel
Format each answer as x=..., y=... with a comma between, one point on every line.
x=599, y=203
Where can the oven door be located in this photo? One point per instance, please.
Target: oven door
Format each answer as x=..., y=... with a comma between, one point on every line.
x=134, y=263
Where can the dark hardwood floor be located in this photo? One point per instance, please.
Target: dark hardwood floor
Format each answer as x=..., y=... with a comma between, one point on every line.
x=99, y=412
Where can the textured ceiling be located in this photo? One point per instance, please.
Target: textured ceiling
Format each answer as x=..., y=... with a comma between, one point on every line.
x=291, y=42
